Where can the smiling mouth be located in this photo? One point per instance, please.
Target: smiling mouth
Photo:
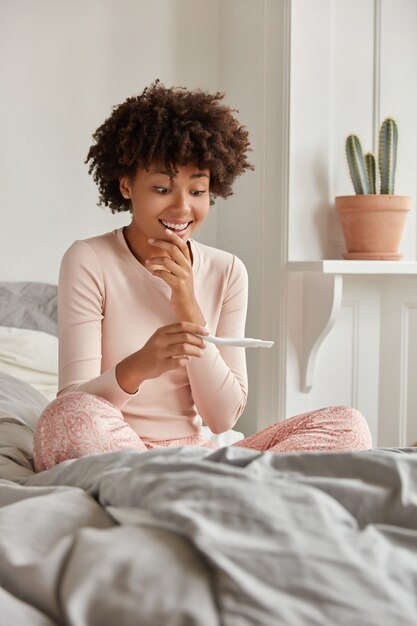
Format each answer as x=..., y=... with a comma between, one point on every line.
x=176, y=227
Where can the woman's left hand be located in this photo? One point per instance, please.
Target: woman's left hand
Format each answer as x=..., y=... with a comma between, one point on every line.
x=176, y=270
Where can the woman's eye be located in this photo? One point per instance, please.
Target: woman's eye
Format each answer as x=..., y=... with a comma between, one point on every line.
x=198, y=192
x=162, y=190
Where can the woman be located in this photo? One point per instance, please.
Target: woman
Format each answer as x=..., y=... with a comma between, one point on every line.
x=135, y=303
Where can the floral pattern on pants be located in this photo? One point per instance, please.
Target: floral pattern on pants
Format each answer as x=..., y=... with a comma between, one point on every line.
x=78, y=423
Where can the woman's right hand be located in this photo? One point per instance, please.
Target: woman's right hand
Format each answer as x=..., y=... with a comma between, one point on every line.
x=169, y=348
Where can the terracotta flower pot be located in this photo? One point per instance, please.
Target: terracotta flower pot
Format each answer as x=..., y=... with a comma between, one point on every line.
x=373, y=224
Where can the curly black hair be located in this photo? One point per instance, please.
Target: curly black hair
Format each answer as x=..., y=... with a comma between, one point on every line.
x=171, y=127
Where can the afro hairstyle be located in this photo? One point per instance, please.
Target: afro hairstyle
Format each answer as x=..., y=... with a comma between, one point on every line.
x=170, y=127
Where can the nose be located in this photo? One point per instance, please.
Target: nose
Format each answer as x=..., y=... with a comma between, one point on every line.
x=182, y=202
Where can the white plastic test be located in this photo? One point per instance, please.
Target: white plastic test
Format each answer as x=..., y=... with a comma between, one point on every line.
x=244, y=342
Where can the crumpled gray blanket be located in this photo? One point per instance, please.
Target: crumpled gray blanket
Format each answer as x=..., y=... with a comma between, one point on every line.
x=232, y=537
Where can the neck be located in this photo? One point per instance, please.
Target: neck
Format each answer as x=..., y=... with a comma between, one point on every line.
x=138, y=246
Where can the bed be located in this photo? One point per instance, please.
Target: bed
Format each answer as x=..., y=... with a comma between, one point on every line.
x=191, y=536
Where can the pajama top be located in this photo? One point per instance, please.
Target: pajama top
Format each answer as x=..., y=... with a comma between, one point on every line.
x=109, y=305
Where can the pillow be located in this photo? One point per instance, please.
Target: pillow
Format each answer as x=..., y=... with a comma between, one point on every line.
x=20, y=408
x=28, y=334
x=32, y=356
x=29, y=305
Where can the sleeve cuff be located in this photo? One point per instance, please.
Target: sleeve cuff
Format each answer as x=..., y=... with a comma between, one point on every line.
x=107, y=387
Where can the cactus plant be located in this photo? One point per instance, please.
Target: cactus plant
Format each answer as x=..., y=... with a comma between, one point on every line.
x=363, y=170
x=357, y=165
x=388, y=142
x=371, y=171
x=373, y=222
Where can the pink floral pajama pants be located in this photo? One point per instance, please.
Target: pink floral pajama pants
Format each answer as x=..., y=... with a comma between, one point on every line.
x=78, y=423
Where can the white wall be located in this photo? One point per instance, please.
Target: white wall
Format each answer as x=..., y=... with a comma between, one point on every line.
x=63, y=65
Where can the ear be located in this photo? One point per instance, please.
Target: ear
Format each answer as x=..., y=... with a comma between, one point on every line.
x=124, y=186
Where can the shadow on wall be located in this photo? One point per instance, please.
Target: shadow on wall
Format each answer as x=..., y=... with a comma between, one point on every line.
x=321, y=208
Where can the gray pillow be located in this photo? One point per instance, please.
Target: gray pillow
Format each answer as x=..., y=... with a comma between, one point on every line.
x=20, y=408
x=33, y=306
x=29, y=305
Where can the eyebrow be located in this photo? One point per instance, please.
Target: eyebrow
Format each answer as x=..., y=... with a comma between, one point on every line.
x=165, y=173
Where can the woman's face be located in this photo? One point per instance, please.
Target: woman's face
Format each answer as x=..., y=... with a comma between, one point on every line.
x=160, y=202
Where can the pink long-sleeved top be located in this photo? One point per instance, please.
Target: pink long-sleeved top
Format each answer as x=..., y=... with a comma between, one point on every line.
x=109, y=305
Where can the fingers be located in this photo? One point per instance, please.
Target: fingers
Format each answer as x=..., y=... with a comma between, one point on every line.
x=186, y=338
x=163, y=263
x=177, y=248
x=182, y=339
x=179, y=342
x=185, y=327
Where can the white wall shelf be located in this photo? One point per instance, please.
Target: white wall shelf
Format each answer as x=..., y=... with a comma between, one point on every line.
x=322, y=300
x=340, y=266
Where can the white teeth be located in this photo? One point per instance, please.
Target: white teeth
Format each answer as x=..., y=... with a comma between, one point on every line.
x=175, y=226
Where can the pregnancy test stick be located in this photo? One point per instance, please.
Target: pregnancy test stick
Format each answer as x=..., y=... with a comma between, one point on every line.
x=244, y=342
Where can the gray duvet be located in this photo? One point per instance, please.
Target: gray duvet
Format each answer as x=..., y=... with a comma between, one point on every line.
x=231, y=537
